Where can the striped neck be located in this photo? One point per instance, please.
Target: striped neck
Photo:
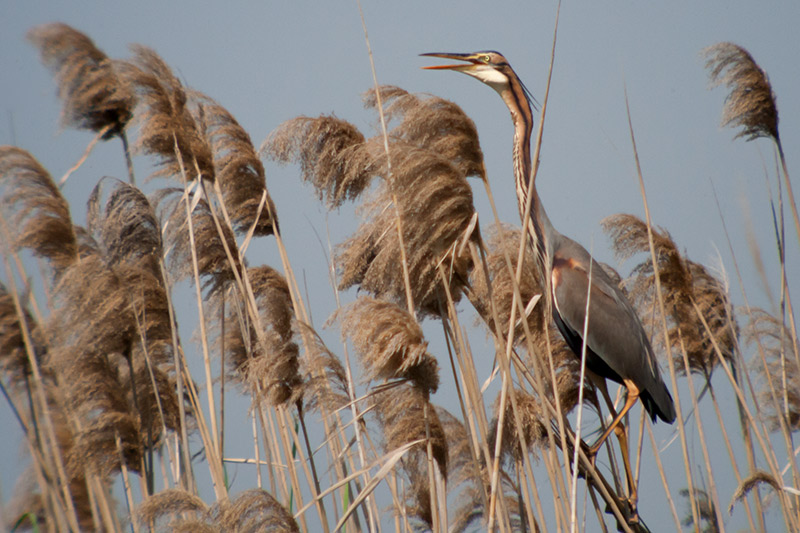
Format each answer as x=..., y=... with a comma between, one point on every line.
x=537, y=224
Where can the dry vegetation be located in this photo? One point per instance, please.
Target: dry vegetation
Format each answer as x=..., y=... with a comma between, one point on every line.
x=98, y=377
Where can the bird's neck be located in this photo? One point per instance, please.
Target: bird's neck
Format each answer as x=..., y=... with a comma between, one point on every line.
x=537, y=223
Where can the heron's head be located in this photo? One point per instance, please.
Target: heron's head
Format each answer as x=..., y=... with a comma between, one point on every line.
x=488, y=66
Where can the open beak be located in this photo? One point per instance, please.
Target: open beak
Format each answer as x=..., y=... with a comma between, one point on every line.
x=472, y=62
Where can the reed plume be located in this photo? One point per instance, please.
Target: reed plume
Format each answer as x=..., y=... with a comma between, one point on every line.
x=326, y=383
x=390, y=343
x=434, y=124
x=14, y=362
x=435, y=206
x=168, y=130
x=35, y=209
x=93, y=331
x=238, y=170
x=333, y=155
x=269, y=361
x=532, y=423
x=405, y=415
x=685, y=284
x=251, y=510
x=95, y=96
x=779, y=382
x=254, y=510
x=214, y=267
x=176, y=504
x=467, y=477
x=708, y=514
x=128, y=234
x=750, y=104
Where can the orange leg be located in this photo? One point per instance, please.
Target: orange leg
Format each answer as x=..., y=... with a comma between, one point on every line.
x=619, y=429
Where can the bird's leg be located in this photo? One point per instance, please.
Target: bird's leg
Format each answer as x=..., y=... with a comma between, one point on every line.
x=619, y=429
x=622, y=436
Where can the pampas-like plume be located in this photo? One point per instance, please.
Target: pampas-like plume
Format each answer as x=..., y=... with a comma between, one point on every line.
x=434, y=124
x=254, y=510
x=251, y=510
x=169, y=502
x=705, y=506
x=326, y=383
x=751, y=102
x=35, y=208
x=14, y=362
x=93, y=330
x=168, y=128
x=405, y=416
x=332, y=153
x=129, y=238
x=390, y=343
x=759, y=477
x=238, y=169
x=435, y=206
x=782, y=375
x=95, y=97
x=122, y=220
x=532, y=424
x=269, y=361
x=683, y=282
x=212, y=261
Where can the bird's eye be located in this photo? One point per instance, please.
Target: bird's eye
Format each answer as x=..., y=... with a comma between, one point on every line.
x=487, y=59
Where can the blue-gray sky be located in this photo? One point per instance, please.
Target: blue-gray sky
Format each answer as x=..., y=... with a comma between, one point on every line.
x=270, y=61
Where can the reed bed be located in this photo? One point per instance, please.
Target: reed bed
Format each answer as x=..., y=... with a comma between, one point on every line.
x=124, y=415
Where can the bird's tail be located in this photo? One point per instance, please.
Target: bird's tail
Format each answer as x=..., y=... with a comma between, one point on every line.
x=658, y=403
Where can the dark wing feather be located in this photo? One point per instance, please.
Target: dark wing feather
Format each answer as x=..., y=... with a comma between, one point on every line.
x=615, y=334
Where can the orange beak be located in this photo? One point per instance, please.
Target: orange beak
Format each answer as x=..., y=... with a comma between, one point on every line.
x=460, y=66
